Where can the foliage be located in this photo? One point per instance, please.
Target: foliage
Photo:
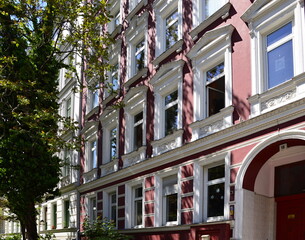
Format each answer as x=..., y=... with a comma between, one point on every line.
x=47, y=236
x=37, y=39
x=102, y=229
x=11, y=237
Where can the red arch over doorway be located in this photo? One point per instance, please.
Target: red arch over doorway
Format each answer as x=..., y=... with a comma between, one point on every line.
x=262, y=157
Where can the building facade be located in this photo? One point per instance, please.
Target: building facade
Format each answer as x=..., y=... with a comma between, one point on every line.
x=210, y=140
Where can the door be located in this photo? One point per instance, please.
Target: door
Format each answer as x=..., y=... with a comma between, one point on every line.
x=291, y=217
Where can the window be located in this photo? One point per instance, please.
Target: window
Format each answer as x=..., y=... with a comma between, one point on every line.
x=138, y=130
x=168, y=25
x=203, y=9
x=92, y=209
x=138, y=206
x=113, y=143
x=136, y=48
x=167, y=84
x=215, y=191
x=67, y=163
x=109, y=121
x=66, y=216
x=133, y=4
x=92, y=155
x=113, y=207
x=140, y=56
x=93, y=98
x=170, y=200
x=215, y=89
x=171, y=112
x=135, y=129
x=114, y=81
x=68, y=113
x=171, y=29
x=45, y=218
x=114, y=9
x=277, y=45
x=54, y=216
x=211, y=57
x=280, y=55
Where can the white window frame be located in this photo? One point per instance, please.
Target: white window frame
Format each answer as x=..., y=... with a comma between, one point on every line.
x=263, y=19
x=216, y=49
x=68, y=225
x=163, y=9
x=135, y=102
x=199, y=14
x=130, y=203
x=115, y=7
x=136, y=33
x=160, y=199
x=201, y=184
x=168, y=79
x=66, y=169
x=107, y=203
x=92, y=208
x=109, y=120
x=114, y=60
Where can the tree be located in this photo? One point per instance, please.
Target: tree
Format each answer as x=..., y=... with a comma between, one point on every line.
x=36, y=37
x=102, y=229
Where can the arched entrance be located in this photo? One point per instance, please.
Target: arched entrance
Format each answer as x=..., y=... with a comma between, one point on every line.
x=270, y=186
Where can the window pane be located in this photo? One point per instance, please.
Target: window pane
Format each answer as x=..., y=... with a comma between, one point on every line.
x=113, y=146
x=216, y=172
x=138, y=192
x=138, y=136
x=139, y=57
x=171, y=119
x=171, y=29
x=216, y=96
x=68, y=108
x=280, y=64
x=171, y=207
x=67, y=214
x=279, y=34
x=115, y=77
x=216, y=200
x=138, y=212
x=212, y=6
x=95, y=99
x=171, y=97
x=214, y=72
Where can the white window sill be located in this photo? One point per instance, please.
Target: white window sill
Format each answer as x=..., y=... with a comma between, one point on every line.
x=177, y=47
x=136, y=9
x=110, y=167
x=212, y=124
x=134, y=157
x=90, y=175
x=223, y=12
x=140, y=74
x=116, y=31
x=92, y=112
x=167, y=143
x=283, y=94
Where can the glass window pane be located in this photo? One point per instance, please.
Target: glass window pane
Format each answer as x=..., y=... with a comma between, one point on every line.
x=280, y=64
x=115, y=77
x=216, y=200
x=138, y=212
x=279, y=34
x=171, y=207
x=171, y=29
x=67, y=214
x=216, y=96
x=139, y=57
x=212, y=6
x=171, y=119
x=171, y=97
x=113, y=144
x=214, y=72
x=216, y=172
x=138, y=136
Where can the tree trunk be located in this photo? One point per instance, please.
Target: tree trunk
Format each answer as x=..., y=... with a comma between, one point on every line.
x=30, y=223
x=22, y=230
